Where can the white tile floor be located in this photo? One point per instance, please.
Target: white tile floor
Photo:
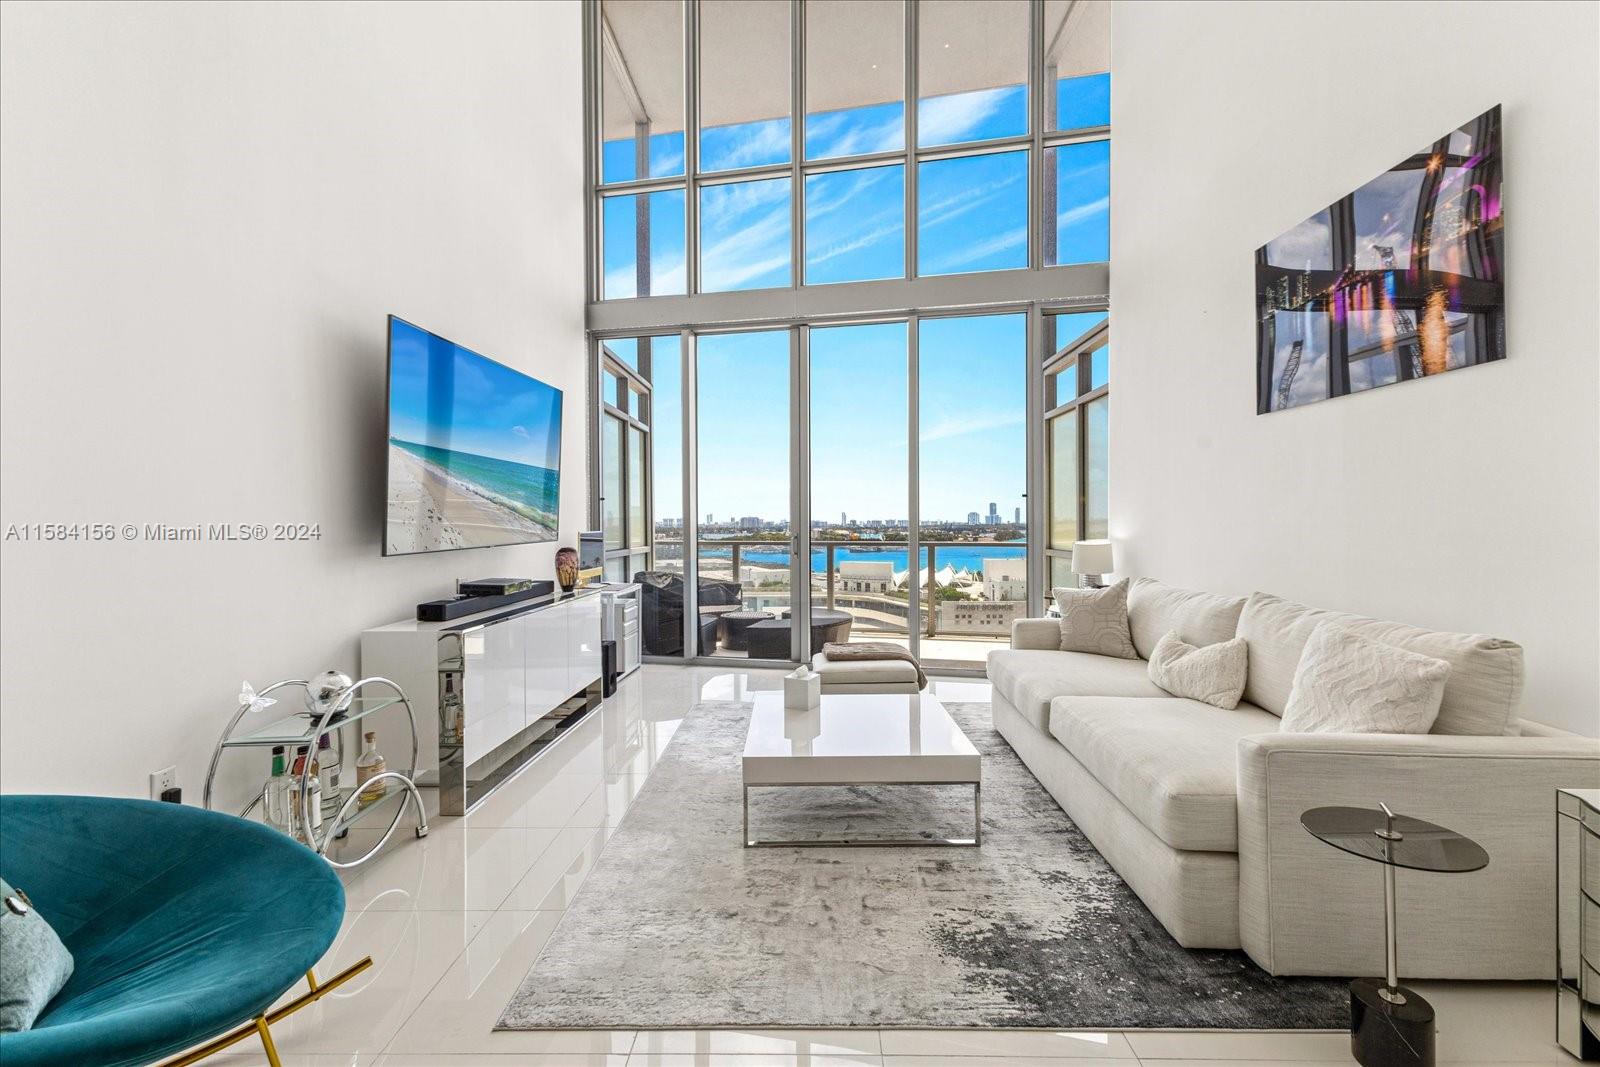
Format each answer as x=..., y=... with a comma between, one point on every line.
x=454, y=922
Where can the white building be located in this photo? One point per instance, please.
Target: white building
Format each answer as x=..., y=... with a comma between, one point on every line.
x=865, y=576
x=1005, y=579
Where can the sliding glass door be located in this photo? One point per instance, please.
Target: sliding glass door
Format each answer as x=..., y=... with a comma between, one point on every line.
x=924, y=545
x=972, y=479
x=860, y=579
x=743, y=479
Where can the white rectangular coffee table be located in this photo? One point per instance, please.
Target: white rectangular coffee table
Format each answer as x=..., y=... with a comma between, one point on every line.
x=860, y=739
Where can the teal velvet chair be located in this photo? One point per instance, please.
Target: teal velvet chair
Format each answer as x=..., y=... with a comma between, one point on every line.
x=185, y=926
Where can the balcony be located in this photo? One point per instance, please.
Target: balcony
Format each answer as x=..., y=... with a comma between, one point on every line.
x=860, y=591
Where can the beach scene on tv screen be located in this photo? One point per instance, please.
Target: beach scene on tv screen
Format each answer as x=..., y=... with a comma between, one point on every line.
x=474, y=449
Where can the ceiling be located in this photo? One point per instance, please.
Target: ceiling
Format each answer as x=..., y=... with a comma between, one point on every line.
x=853, y=54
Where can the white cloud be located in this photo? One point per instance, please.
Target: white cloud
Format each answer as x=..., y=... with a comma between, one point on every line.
x=719, y=279
x=970, y=253
x=670, y=162
x=1309, y=246
x=830, y=235
x=742, y=252
x=947, y=119
x=861, y=240
x=960, y=203
x=840, y=189
x=670, y=280
x=738, y=198
x=960, y=423
x=755, y=143
x=823, y=132
x=1074, y=215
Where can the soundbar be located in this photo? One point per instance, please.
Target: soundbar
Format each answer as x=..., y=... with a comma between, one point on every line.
x=456, y=607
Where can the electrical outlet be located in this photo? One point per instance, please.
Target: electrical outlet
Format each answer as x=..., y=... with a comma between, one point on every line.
x=162, y=780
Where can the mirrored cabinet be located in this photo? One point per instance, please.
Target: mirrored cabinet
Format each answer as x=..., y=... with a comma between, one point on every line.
x=501, y=687
x=1578, y=921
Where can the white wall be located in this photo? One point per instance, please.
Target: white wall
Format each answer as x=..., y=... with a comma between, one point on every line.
x=207, y=212
x=1233, y=122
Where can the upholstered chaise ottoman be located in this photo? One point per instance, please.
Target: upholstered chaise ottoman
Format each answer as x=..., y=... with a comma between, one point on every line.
x=865, y=676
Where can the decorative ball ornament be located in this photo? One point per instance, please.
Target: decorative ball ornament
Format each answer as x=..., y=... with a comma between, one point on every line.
x=323, y=691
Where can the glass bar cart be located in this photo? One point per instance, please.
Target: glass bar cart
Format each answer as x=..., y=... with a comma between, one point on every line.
x=348, y=708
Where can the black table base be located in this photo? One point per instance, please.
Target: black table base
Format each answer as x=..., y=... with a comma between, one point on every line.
x=1385, y=1034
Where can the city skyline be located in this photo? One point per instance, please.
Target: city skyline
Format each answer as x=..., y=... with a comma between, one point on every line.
x=734, y=521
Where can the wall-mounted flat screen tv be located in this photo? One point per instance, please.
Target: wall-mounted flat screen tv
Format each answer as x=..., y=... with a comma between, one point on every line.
x=1402, y=279
x=474, y=449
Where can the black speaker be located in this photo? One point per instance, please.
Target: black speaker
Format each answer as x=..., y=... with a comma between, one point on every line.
x=608, y=668
x=458, y=607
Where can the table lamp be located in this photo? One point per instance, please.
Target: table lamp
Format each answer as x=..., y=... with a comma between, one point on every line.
x=1091, y=560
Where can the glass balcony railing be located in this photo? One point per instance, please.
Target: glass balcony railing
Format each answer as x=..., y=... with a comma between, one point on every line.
x=967, y=590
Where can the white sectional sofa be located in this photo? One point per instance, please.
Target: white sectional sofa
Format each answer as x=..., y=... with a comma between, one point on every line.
x=1198, y=808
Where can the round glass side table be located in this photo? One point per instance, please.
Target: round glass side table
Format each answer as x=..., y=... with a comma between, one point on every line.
x=1391, y=1024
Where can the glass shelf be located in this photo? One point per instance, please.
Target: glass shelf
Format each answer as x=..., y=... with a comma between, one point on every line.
x=360, y=815
x=394, y=793
x=300, y=728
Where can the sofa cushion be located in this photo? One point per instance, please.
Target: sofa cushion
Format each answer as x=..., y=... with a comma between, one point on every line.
x=1031, y=679
x=1214, y=673
x=1169, y=760
x=1096, y=620
x=863, y=671
x=1350, y=684
x=1480, y=694
x=1200, y=618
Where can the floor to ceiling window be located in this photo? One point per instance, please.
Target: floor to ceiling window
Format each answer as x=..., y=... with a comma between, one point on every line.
x=972, y=484
x=629, y=369
x=861, y=581
x=849, y=217
x=743, y=474
x=1077, y=402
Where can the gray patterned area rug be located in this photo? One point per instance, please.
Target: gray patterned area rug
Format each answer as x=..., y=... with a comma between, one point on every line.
x=680, y=926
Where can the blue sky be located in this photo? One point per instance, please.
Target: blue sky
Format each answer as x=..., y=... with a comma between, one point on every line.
x=973, y=373
x=971, y=215
x=743, y=408
x=858, y=422
x=444, y=395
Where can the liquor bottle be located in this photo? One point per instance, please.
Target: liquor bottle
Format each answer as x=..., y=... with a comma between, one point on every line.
x=369, y=765
x=330, y=770
x=275, y=798
x=312, y=822
x=451, y=711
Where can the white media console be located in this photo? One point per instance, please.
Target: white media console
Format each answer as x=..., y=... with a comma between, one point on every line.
x=491, y=690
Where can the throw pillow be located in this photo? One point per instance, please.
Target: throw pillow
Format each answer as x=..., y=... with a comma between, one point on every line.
x=1212, y=673
x=1348, y=683
x=34, y=964
x=1096, y=620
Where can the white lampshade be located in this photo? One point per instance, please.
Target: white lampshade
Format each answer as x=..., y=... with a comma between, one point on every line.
x=1092, y=557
